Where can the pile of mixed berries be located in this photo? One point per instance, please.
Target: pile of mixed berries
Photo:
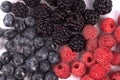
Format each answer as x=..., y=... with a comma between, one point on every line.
x=52, y=40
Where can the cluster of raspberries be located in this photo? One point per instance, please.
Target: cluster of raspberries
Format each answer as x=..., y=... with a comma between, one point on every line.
x=101, y=54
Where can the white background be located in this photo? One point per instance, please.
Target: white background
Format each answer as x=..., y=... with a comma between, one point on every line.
x=114, y=14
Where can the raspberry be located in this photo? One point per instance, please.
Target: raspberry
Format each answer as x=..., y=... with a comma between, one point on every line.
x=116, y=58
x=67, y=55
x=117, y=34
x=92, y=45
x=107, y=25
x=106, y=40
x=87, y=77
x=78, y=68
x=103, y=55
x=88, y=59
x=90, y=32
x=119, y=19
x=115, y=75
x=62, y=70
x=97, y=71
x=105, y=78
x=107, y=67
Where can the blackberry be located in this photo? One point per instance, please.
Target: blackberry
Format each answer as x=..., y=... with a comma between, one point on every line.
x=41, y=11
x=20, y=73
x=6, y=57
x=91, y=16
x=18, y=59
x=75, y=22
x=6, y=6
x=53, y=57
x=102, y=6
x=42, y=54
x=31, y=64
x=9, y=34
x=37, y=76
x=29, y=21
x=7, y=69
x=38, y=42
x=32, y=3
x=44, y=66
x=44, y=28
x=2, y=77
x=8, y=20
x=77, y=42
x=53, y=2
x=58, y=16
x=20, y=9
x=51, y=76
x=61, y=37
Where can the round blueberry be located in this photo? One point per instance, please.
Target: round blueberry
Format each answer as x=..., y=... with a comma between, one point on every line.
x=1, y=32
x=10, y=78
x=29, y=21
x=8, y=20
x=37, y=76
x=6, y=6
x=2, y=77
x=50, y=76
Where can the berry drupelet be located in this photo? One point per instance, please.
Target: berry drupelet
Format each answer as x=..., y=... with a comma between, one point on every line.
x=19, y=9
x=102, y=6
x=91, y=16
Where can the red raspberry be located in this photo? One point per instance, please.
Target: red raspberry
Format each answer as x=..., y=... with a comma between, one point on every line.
x=116, y=59
x=105, y=78
x=92, y=45
x=97, y=71
x=88, y=59
x=107, y=67
x=106, y=40
x=115, y=75
x=117, y=34
x=103, y=55
x=87, y=77
x=119, y=19
x=107, y=25
x=67, y=55
x=78, y=68
x=90, y=32
x=62, y=70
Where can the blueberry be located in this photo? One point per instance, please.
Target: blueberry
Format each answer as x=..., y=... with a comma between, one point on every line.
x=50, y=76
x=37, y=76
x=29, y=33
x=38, y=42
x=19, y=25
x=18, y=59
x=53, y=57
x=1, y=64
x=29, y=21
x=11, y=78
x=42, y=54
x=6, y=6
x=11, y=46
x=2, y=77
x=6, y=57
x=44, y=66
x=9, y=34
x=20, y=73
x=28, y=50
x=31, y=64
x=7, y=69
x=8, y=20
x=1, y=32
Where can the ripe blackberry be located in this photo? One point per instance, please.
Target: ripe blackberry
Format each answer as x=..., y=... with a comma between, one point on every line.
x=91, y=16
x=19, y=9
x=77, y=43
x=32, y=3
x=41, y=11
x=75, y=22
x=61, y=37
x=53, y=2
x=102, y=6
x=44, y=28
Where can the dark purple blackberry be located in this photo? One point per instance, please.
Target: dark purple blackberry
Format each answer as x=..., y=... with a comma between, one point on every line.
x=41, y=11
x=44, y=28
x=53, y=2
x=77, y=42
x=102, y=6
x=61, y=36
x=91, y=16
x=32, y=3
x=37, y=76
x=75, y=22
x=58, y=16
x=78, y=6
x=20, y=9
x=50, y=76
